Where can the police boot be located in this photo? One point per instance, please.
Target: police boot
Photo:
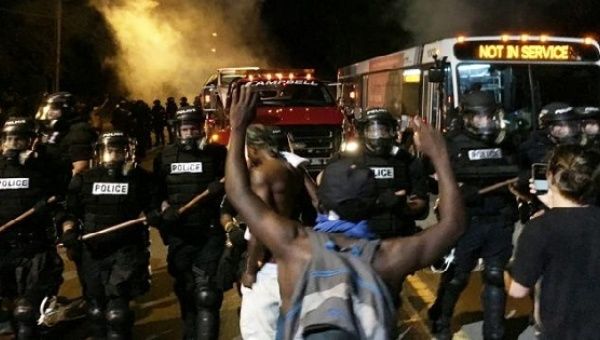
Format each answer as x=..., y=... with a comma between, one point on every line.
x=440, y=314
x=96, y=321
x=119, y=320
x=208, y=303
x=494, y=303
x=24, y=315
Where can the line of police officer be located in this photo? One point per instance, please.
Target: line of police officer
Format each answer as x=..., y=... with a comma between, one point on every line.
x=113, y=268
x=53, y=161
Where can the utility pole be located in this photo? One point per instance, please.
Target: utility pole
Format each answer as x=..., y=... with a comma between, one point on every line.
x=58, y=44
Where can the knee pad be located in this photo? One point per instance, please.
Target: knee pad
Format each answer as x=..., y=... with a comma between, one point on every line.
x=118, y=317
x=24, y=311
x=459, y=280
x=494, y=276
x=95, y=313
x=208, y=298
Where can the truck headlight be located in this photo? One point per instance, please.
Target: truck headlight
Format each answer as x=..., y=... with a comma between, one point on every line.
x=350, y=146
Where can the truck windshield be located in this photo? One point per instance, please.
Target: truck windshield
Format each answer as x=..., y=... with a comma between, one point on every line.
x=523, y=89
x=297, y=95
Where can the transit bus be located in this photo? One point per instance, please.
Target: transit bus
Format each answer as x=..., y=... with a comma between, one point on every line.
x=523, y=72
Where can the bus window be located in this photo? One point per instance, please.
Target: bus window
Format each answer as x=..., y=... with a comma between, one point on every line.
x=511, y=85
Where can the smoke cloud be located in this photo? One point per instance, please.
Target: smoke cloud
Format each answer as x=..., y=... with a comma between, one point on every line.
x=429, y=20
x=170, y=47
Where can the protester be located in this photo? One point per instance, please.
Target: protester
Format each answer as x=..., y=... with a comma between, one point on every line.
x=352, y=264
x=561, y=248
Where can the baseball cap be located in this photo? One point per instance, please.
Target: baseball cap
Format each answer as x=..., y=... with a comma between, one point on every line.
x=348, y=189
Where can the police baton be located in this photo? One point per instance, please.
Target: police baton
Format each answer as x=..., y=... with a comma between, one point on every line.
x=23, y=216
x=197, y=199
x=497, y=185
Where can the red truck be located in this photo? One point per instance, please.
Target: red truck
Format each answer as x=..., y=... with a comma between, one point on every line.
x=300, y=106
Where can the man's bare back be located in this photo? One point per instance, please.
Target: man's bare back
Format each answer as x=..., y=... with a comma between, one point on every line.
x=288, y=240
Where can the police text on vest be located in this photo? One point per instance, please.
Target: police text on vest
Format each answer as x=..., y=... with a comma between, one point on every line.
x=14, y=183
x=104, y=188
x=182, y=168
x=383, y=173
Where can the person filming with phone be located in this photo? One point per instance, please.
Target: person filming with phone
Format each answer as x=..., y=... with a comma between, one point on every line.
x=561, y=246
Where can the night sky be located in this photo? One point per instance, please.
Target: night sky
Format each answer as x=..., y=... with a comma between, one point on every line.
x=324, y=34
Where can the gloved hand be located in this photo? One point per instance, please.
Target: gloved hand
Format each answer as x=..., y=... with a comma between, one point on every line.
x=469, y=193
x=154, y=218
x=216, y=187
x=170, y=216
x=70, y=238
x=389, y=199
x=42, y=207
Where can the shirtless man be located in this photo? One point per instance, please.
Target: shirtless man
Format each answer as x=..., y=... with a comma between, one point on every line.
x=279, y=185
x=295, y=247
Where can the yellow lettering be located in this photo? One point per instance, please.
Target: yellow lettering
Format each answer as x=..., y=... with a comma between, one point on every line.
x=512, y=52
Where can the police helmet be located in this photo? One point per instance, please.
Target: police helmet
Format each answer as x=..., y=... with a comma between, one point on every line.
x=17, y=135
x=378, y=128
x=156, y=102
x=114, y=149
x=589, y=117
x=58, y=107
x=481, y=115
x=190, y=115
x=561, y=122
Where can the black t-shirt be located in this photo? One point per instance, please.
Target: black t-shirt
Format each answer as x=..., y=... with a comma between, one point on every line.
x=562, y=247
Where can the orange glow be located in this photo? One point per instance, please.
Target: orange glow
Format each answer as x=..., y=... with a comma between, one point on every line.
x=505, y=37
x=588, y=41
x=524, y=37
x=461, y=39
x=543, y=38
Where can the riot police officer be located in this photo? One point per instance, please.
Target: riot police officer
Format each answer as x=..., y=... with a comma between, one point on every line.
x=559, y=124
x=589, y=117
x=66, y=135
x=113, y=268
x=30, y=266
x=480, y=157
x=400, y=176
x=195, y=239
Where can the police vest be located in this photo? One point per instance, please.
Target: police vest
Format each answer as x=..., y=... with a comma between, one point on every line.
x=391, y=173
x=21, y=187
x=187, y=174
x=108, y=200
x=480, y=164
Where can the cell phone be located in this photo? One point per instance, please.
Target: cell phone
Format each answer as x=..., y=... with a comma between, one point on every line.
x=538, y=174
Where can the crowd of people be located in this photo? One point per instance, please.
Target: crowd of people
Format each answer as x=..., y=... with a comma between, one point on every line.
x=314, y=258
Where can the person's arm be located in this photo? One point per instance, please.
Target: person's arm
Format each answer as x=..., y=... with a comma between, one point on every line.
x=274, y=230
x=527, y=266
x=405, y=255
x=517, y=290
x=74, y=209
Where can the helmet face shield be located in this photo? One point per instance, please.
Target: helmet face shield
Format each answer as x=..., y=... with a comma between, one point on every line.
x=114, y=150
x=376, y=130
x=564, y=130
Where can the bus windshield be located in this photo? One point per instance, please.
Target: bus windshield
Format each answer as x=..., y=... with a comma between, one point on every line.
x=522, y=89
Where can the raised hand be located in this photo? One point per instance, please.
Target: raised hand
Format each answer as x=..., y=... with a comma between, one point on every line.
x=243, y=106
x=428, y=140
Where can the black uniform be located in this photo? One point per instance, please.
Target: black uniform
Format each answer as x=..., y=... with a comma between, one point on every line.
x=197, y=240
x=491, y=219
x=394, y=172
x=113, y=267
x=159, y=121
x=395, y=169
x=30, y=267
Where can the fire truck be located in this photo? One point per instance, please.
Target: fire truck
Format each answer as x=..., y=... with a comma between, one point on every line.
x=302, y=108
x=523, y=72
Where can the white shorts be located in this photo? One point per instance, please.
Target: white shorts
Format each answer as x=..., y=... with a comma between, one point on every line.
x=260, y=305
